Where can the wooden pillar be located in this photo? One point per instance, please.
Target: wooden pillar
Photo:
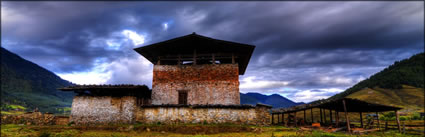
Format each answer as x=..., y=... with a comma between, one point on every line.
x=321, y=119
x=179, y=60
x=379, y=124
x=311, y=115
x=278, y=119
x=287, y=120
x=272, y=118
x=336, y=118
x=194, y=57
x=330, y=115
x=295, y=119
x=346, y=116
x=233, y=58
x=304, y=117
x=324, y=116
x=361, y=120
x=159, y=61
x=213, y=58
x=398, y=121
x=283, y=118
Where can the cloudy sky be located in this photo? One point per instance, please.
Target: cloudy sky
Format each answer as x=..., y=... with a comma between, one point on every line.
x=304, y=50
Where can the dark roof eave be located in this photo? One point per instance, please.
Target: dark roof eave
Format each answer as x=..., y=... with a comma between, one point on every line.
x=380, y=108
x=152, y=50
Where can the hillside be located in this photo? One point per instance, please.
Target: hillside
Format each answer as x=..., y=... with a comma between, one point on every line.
x=30, y=86
x=408, y=97
x=401, y=84
x=274, y=100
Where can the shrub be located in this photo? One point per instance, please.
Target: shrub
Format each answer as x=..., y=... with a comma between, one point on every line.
x=71, y=123
x=416, y=116
x=403, y=118
x=44, y=134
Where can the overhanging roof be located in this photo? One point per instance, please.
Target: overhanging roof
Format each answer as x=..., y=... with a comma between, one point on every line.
x=203, y=45
x=109, y=90
x=352, y=105
x=103, y=87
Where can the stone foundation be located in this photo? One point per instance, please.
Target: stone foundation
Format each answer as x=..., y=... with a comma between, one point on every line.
x=103, y=110
x=236, y=114
x=34, y=118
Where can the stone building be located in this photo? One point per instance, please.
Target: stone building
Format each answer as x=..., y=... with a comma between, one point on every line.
x=195, y=79
x=194, y=69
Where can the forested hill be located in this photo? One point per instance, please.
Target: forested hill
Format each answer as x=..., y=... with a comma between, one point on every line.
x=408, y=72
x=26, y=84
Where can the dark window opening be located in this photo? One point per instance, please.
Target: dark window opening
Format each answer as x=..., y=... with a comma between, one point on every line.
x=183, y=97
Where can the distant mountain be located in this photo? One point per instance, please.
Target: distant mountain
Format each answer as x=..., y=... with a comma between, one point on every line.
x=275, y=100
x=401, y=84
x=26, y=84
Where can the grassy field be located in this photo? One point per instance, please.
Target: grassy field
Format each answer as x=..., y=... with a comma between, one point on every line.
x=141, y=130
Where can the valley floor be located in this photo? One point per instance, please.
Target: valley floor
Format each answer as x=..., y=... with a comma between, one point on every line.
x=141, y=130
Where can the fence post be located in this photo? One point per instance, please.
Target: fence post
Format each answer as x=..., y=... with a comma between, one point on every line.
x=386, y=124
x=404, y=127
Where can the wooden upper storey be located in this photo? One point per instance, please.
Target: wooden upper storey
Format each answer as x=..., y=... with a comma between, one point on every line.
x=194, y=49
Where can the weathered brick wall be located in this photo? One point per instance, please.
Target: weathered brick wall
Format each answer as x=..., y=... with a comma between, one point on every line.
x=258, y=115
x=206, y=84
x=102, y=110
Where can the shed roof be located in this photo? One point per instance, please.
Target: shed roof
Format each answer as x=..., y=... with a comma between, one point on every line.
x=352, y=105
x=109, y=90
x=94, y=87
x=203, y=45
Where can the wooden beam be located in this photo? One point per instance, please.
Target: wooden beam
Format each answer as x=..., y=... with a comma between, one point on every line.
x=398, y=121
x=346, y=116
x=283, y=118
x=361, y=120
x=379, y=124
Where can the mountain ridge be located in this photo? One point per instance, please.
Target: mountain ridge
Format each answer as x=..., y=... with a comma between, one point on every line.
x=275, y=100
x=400, y=84
x=29, y=85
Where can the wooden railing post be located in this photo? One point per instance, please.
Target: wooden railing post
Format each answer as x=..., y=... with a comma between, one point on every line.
x=379, y=124
x=398, y=121
x=361, y=120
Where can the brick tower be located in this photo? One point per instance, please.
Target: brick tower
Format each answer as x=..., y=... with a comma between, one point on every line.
x=195, y=69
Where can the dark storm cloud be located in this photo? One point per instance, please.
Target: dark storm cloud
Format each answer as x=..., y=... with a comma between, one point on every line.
x=275, y=27
x=310, y=46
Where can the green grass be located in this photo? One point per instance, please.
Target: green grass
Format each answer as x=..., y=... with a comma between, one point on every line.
x=12, y=130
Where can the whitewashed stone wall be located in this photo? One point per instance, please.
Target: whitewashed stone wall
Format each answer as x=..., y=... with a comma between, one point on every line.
x=258, y=115
x=103, y=110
